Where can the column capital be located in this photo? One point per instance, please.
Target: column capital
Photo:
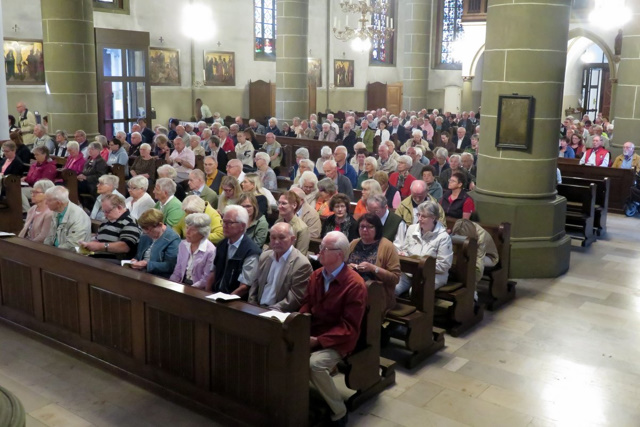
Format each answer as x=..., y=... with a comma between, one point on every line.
x=613, y=81
x=467, y=78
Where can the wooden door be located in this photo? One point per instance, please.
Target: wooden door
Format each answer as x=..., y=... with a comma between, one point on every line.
x=394, y=98
x=376, y=95
x=312, y=97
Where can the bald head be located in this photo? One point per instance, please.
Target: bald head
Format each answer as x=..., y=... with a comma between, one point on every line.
x=300, y=192
x=419, y=191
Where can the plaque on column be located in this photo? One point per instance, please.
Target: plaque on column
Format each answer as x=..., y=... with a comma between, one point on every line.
x=515, y=121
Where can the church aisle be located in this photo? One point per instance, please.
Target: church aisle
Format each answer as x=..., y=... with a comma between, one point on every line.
x=566, y=352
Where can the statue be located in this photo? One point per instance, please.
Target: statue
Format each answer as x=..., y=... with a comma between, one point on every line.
x=617, y=46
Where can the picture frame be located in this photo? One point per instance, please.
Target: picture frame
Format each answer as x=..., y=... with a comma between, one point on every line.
x=515, y=121
x=314, y=71
x=24, y=62
x=164, y=66
x=343, y=73
x=219, y=68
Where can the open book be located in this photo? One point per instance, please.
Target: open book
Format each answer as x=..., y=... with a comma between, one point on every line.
x=222, y=296
x=275, y=314
x=5, y=234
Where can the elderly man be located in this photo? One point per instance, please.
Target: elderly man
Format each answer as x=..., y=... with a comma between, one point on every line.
x=94, y=168
x=118, y=235
x=628, y=159
x=334, y=126
x=26, y=123
x=42, y=139
x=236, y=261
x=408, y=209
x=398, y=130
x=274, y=150
x=182, y=159
x=596, y=156
x=69, y=223
x=393, y=227
x=327, y=134
x=288, y=205
x=461, y=140
x=306, y=132
x=308, y=214
x=385, y=162
x=234, y=169
x=238, y=121
x=597, y=131
x=467, y=164
x=199, y=188
x=416, y=161
x=81, y=138
x=256, y=127
x=402, y=179
x=336, y=299
x=213, y=175
x=330, y=169
x=344, y=168
x=366, y=135
x=283, y=272
x=164, y=192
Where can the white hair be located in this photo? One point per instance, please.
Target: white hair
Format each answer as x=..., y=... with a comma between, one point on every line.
x=340, y=148
x=326, y=151
x=136, y=134
x=43, y=184
x=193, y=203
x=241, y=213
x=145, y=146
x=331, y=163
x=308, y=176
x=418, y=151
x=200, y=221
x=454, y=156
x=111, y=180
x=406, y=159
x=58, y=193
x=372, y=161
x=140, y=182
x=263, y=156
x=201, y=123
x=73, y=145
x=466, y=154
x=302, y=152
x=167, y=170
x=416, y=132
x=274, y=120
x=167, y=185
x=341, y=242
x=307, y=162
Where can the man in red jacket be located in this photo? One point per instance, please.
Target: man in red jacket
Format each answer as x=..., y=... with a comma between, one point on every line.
x=336, y=298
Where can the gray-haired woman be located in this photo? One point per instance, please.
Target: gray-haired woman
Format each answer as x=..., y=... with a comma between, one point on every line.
x=36, y=227
x=196, y=253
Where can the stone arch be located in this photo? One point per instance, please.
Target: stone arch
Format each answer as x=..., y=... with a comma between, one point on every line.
x=474, y=61
x=599, y=41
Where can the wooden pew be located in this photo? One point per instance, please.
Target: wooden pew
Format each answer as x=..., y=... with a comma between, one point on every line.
x=460, y=312
x=118, y=170
x=241, y=368
x=11, y=205
x=602, y=200
x=579, y=222
x=416, y=315
x=290, y=145
x=200, y=163
x=621, y=180
x=70, y=180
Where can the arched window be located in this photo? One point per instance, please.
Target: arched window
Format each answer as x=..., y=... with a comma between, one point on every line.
x=264, y=29
x=450, y=30
x=382, y=51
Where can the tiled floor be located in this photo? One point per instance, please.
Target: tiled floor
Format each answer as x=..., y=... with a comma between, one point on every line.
x=566, y=352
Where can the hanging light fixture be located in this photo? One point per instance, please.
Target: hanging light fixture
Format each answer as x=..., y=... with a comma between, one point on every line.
x=610, y=11
x=364, y=34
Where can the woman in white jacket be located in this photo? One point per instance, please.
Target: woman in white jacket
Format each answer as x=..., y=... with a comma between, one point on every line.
x=427, y=238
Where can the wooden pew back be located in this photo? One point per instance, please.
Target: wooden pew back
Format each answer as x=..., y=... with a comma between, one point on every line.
x=290, y=145
x=11, y=205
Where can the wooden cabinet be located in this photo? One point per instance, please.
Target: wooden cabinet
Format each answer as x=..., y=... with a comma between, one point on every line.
x=262, y=100
x=384, y=95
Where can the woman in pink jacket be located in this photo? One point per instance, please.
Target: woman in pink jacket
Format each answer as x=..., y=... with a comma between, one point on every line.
x=75, y=159
x=43, y=168
x=196, y=253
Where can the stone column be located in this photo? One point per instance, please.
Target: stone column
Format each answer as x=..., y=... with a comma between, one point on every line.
x=519, y=186
x=627, y=95
x=292, y=94
x=4, y=109
x=417, y=47
x=467, y=93
x=70, y=65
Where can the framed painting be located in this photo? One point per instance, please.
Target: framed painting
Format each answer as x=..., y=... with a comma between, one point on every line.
x=164, y=66
x=219, y=69
x=23, y=62
x=315, y=71
x=515, y=121
x=343, y=72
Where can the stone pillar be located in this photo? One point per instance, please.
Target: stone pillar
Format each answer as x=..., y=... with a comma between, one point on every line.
x=70, y=65
x=519, y=186
x=417, y=47
x=467, y=93
x=627, y=96
x=4, y=109
x=292, y=94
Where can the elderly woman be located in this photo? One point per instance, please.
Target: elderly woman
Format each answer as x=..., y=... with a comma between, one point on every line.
x=341, y=220
x=455, y=202
x=244, y=149
x=326, y=190
x=75, y=159
x=104, y=153
x=139, y=201
x=94, y=167
x=196, y=253
x=370, y=188
x=360, y=157
x=253, y=185
x=61, y=144
x=230, y=192
x=144, y=165
x=309, y=184
x=374, y=257
x=439, y=162
x=168, y=171
x=158, y=247
x=162, y=149
x=38, y=223
x=382, y=132
x=258, y=227
x=194, y=144
x=455, y=165
x=302, y=153
x=370, y=168
x=194, y=204
x=325, y=154
x=287, y=130
x=427, y=238
x=22, y=151
x=118, y=155
x=390, y=192
x=107, y=184
x=415, y=141
x=43, y=168
x=266, y=174
x=10, y=164
x=305, y=165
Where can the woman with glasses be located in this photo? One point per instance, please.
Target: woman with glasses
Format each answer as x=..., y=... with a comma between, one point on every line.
x=75, y=159
x=455, y=202
x=118, y=155
x=107, y=184
x=427, y=238
x=39, y=216
x=158, y=247
x=341, y=220
x=139, y=201
x=370, y=168
x=196, y=252
x=10, y=164
x=326, y=189
x=230, y=192
x=309, y=184
x=43, y=168
x=374, y=257
x=258, y=226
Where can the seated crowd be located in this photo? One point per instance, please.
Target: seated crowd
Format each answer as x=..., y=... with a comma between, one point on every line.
x=225, y=225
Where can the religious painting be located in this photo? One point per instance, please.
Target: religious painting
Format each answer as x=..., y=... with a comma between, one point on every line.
x=23, y=62
x=314, y=72
x=515, y=121
x=343, y=73
x=219, y=69
x=164, y=66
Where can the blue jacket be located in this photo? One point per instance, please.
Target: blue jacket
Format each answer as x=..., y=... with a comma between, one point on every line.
x=164, y=254
x=349, y=172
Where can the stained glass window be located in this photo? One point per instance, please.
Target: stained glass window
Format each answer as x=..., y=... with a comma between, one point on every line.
x=264, y=29
x=382, y=49
x=451, y=29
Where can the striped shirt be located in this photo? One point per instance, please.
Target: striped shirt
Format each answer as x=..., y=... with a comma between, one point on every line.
x=124, y=229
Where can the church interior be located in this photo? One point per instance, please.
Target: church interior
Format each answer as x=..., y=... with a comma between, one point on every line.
x=562, y=352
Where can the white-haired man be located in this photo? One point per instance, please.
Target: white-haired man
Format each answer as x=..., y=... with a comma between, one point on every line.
x=402, y=179
x=42, y=139
x=327, y=134
x=198, y=187
x=164, y=192
x=385, y=162
x=182, y=159
x=343, y=183
x=236, y=261
x=69, y=224
x=344, y=168
x=26, y=123
x=628, y=159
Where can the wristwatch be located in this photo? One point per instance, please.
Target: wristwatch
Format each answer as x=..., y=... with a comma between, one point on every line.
x=106, y=247
x=376, y=270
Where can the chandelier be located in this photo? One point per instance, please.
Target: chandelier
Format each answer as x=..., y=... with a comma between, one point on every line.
x=364, y=33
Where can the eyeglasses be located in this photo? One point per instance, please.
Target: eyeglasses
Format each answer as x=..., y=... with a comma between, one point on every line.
x=108, y=211
x=324, y=249
x=366, y=227
x=37, y=192
x=228, y=222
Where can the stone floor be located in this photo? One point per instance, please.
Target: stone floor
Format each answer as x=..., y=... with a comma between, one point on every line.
x=566, y=352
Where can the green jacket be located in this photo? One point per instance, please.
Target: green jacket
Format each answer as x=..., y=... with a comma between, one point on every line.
x=369, y=134
x=405, y=211
x=172, y=211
